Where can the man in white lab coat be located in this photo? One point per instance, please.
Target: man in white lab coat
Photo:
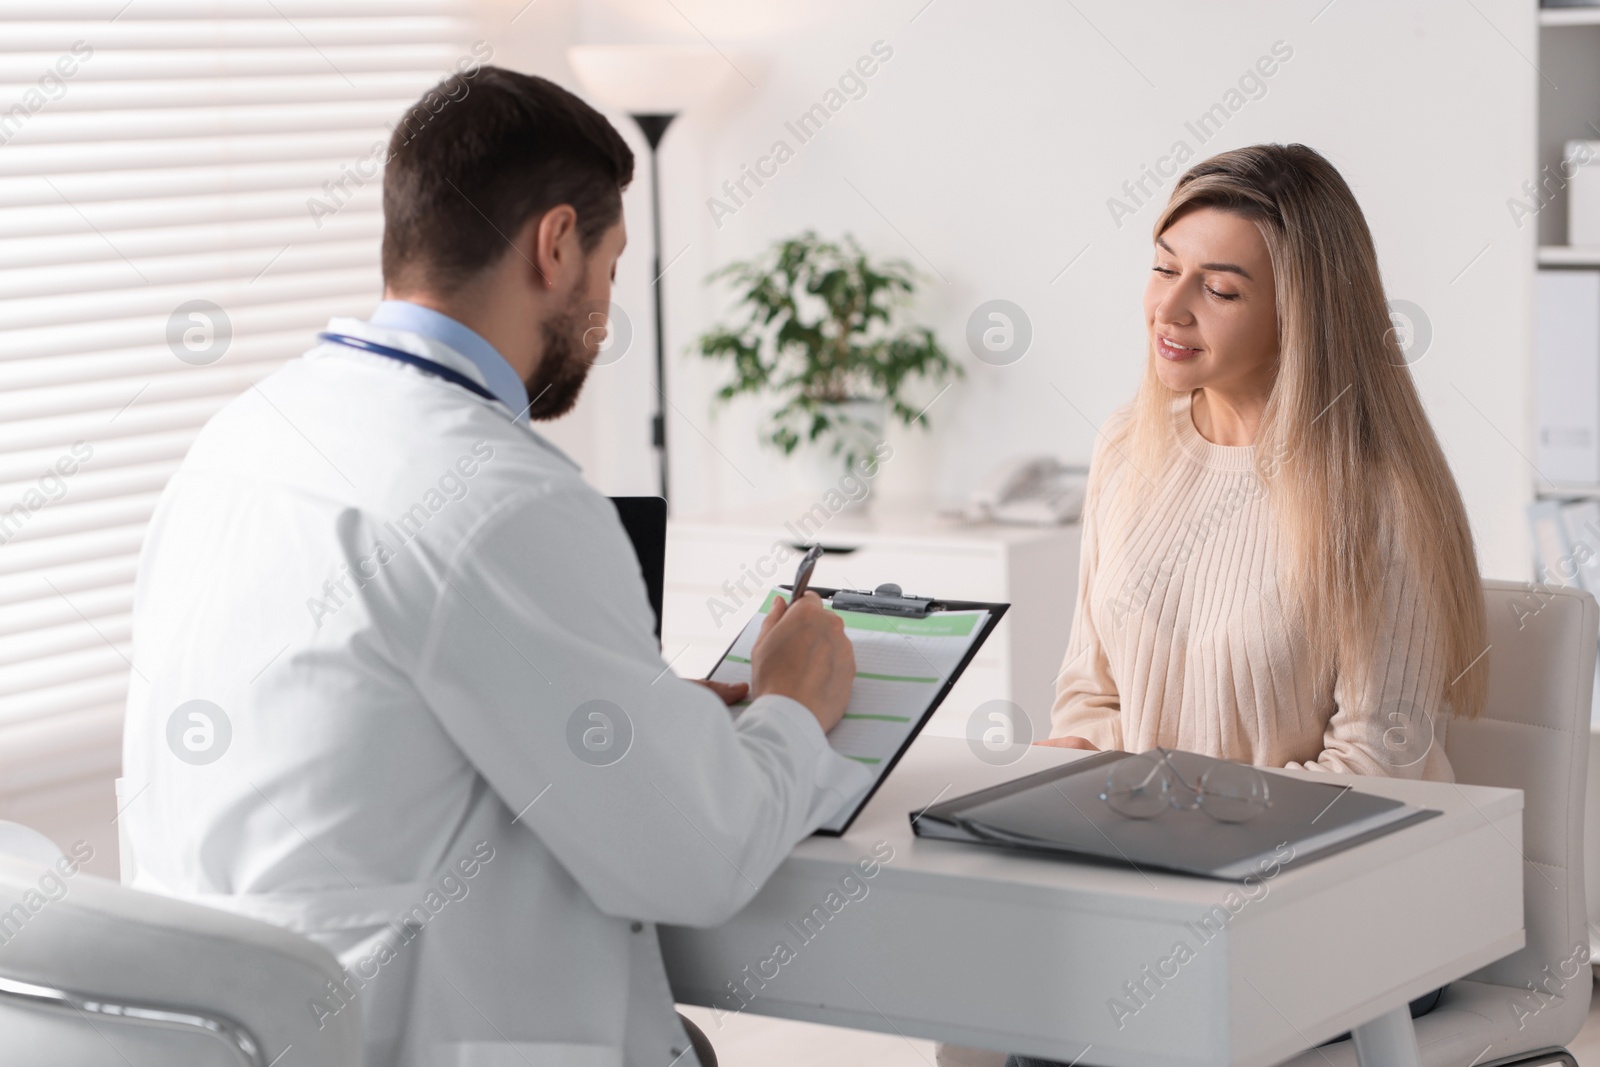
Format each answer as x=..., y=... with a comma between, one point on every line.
x=395, y=680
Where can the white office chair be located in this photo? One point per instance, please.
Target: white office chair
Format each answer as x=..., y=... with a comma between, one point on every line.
x=93, y=974
x=1534, y=736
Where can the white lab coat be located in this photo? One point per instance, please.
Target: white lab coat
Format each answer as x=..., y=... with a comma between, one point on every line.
x=404, y=746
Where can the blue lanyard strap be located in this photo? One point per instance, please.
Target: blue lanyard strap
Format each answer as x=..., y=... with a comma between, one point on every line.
x=421, y=363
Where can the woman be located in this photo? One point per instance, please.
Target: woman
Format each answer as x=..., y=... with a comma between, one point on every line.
x=1277, y=567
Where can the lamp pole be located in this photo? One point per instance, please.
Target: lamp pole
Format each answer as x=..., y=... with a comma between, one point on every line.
x=654, y=127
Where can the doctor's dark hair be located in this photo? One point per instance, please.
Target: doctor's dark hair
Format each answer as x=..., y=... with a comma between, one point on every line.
x=479, y=155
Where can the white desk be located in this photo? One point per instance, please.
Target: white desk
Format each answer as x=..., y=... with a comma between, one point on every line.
x=998, y=949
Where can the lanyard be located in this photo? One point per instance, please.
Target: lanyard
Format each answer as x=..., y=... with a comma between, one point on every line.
x=420, y=362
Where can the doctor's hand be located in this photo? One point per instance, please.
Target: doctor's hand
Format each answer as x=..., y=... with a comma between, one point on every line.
x=802, y=653
x=729, y=692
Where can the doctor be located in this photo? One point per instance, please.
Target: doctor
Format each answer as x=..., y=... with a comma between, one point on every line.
x=395, y=682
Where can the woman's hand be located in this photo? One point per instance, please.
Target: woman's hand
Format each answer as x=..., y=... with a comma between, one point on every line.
x=1069, y=742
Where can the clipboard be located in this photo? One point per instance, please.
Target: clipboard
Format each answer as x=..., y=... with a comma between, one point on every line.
x=887, y=603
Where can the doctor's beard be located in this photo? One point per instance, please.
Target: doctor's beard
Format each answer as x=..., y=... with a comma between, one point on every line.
x=555, y=385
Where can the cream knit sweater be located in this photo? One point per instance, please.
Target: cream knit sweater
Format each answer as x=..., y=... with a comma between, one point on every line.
x=1181, y=639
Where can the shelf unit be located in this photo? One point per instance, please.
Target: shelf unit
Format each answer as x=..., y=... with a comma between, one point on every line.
x=1569, y=16
x=1567, y=256
x=1567, y=492
x=1569, y=100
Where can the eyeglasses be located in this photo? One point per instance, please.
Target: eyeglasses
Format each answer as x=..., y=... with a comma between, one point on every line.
x=1144, y=786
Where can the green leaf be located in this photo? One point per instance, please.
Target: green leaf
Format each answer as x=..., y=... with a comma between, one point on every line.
x=822, y=322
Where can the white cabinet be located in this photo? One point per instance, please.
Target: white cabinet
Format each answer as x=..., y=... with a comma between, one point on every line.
x=719, y=567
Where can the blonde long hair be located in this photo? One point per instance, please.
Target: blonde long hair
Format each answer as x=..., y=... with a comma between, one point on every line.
x=1349, y=461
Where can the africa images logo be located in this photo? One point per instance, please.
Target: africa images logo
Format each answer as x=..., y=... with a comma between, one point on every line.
x=198, y=732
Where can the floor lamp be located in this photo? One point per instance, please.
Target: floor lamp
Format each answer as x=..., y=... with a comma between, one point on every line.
x=653, y=84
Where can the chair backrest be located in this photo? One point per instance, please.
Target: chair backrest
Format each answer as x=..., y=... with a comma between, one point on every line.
x=1533, y=735
x=64, y=930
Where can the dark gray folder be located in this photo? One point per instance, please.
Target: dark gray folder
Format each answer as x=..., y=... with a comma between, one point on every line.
x=1060, y=811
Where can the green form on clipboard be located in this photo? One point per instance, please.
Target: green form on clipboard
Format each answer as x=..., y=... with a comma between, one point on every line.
x=904, y=667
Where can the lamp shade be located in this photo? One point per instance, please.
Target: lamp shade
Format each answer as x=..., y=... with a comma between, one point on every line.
x=646, y=79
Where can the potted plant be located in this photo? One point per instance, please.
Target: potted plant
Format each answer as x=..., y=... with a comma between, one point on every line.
x=823, y=331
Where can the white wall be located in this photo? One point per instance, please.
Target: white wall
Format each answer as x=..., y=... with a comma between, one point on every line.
x=985, y=151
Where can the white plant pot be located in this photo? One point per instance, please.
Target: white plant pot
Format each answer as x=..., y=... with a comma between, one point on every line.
x=861, y=421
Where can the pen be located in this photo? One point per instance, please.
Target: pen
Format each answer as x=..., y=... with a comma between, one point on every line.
x=802, y=574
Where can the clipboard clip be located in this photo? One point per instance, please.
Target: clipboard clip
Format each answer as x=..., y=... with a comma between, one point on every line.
x=887, y=599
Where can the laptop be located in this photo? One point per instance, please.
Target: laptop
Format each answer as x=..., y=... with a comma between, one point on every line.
x=645, y=520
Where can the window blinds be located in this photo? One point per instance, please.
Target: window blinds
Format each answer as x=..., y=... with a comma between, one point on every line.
x=188, y=191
